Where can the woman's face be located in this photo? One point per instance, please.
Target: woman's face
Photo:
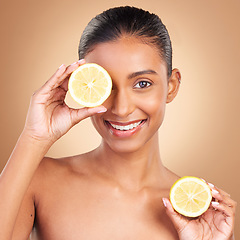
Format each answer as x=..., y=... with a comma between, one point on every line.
x=136, y=106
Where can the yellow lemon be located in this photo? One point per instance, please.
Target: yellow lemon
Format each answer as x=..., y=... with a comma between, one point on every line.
x=190, y=196
x=90, y=85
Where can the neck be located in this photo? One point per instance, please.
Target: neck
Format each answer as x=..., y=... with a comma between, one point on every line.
x=132, y=170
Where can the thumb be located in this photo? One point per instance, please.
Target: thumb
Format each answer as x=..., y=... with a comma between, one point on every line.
x=80, y=114
x=178, y=220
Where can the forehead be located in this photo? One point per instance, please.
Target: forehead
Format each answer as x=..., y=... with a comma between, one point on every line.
x=127, y=55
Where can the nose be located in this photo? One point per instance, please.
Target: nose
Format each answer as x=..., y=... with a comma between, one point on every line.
x=122, y=104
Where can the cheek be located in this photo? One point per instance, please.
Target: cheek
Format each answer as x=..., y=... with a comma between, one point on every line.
x=153, y=105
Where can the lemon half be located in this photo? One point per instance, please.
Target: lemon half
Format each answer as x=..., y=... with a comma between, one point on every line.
x=90, y=85
x=190, y=196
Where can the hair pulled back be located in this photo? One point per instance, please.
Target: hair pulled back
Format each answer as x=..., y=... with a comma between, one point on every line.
x=114, y=23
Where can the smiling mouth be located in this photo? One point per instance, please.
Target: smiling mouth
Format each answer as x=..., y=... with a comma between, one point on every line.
x=124, y=127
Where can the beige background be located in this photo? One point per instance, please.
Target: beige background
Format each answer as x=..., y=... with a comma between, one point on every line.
x=201, y=132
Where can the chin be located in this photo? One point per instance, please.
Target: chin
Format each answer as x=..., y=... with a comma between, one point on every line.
x=128, y=147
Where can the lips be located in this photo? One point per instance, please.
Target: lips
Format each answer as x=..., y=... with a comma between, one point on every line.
x=127, y=129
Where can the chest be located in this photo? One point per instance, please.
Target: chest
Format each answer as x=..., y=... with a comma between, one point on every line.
x=101, y=213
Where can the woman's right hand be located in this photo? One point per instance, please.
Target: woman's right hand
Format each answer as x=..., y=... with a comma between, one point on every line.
x=49, y=118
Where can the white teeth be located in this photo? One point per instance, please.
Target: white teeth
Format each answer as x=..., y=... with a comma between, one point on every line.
x=127, y=127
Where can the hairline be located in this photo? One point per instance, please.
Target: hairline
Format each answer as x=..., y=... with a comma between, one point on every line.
x=143, y=39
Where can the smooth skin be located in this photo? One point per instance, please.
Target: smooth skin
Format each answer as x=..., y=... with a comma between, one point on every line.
x=116, y=190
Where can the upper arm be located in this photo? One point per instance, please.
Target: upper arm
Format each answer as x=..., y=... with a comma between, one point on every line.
x=27, y=212
x=25, y=220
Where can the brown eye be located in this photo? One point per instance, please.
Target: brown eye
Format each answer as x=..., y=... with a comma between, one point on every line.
x=142, y=84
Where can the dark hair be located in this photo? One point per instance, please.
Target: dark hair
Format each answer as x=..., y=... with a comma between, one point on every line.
x=116, y=22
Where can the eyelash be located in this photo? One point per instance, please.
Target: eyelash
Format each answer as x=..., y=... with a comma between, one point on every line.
x=145, y=83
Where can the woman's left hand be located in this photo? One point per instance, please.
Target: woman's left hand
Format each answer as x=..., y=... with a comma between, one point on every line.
x=216, y=223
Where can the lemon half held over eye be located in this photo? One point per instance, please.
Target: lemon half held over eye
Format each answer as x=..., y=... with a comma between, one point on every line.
x=90, y=85
x=190, y=196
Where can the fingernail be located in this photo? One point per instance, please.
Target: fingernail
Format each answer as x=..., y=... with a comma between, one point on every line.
x=102, y=110
x=215, y=191
x=215, y=203
x=73, y=63
x=211, y=185
x=164, y=202
x=61, y=66
x=81, y=61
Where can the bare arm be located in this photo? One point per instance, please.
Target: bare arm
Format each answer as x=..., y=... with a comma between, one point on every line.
x=15, y=180
x=48, y=119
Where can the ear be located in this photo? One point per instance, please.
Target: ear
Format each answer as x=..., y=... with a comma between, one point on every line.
x=173, y=84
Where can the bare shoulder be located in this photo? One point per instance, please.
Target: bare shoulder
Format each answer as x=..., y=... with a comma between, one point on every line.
x=54, y=172
x=51, y=180
x=171, y=178
x=67, y=165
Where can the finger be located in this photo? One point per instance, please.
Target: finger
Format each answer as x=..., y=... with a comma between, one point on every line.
x=64, y=84
x=49, y=85
x=168, y=206
x=80, y=114
x=222, y=196
x=57, y=99
x=224, y=204
x=178, y=221
x=218, y=189
x=69, y=70
x=227, y=211
x=60, y=75
x=227, y=202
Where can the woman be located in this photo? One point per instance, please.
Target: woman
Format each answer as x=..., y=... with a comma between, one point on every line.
x=116, y=190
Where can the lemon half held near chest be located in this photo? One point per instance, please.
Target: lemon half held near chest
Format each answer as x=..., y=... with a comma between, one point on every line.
x=190, y=196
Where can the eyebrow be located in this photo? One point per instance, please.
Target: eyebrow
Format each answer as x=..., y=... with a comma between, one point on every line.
x=135, y=74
